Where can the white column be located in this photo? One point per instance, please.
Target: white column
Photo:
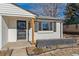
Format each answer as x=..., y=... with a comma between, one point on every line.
x=27, y=39
x=61, y=24
x=0, y=32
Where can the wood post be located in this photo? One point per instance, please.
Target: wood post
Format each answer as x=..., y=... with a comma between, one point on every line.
x=32, y=25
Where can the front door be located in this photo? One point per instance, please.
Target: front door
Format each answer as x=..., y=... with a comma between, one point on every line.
x=21, y=30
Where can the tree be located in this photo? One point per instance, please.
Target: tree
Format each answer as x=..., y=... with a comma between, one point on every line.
x=72, y=13
x=50, y=9
x=46, y=9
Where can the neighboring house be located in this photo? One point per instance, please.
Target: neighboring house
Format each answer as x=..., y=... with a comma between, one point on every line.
x=19, y=24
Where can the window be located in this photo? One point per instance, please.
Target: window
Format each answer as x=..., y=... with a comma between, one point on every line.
x=21, y=24
x=45, y=26
x=49, y=26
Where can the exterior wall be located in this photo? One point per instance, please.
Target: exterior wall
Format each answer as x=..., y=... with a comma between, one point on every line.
x=12, y=35
x=48, y=34
x=12, y=28
x=0, y=32
x=10, y=9
x=4, y=32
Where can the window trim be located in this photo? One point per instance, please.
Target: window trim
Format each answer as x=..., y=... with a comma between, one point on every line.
x=55, y=26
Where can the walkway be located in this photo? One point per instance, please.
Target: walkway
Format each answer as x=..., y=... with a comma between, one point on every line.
x=17, y=45
x=19, y=52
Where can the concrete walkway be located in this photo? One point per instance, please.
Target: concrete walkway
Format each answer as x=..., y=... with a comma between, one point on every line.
x=19, y=52
x=17, y=45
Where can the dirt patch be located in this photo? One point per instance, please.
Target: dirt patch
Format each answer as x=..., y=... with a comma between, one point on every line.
x=2, y=53
x=62, y=52
x=9, y=52
x=53, y=52
x=75, y=36
x=58, y=50
x=6, y=52
x=35, y=51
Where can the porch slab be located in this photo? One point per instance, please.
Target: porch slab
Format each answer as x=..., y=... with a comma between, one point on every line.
x=17, y=45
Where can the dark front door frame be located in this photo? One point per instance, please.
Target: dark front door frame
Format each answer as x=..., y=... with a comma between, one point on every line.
x=21, y=29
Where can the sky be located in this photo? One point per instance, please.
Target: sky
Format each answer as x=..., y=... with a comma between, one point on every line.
x=24, y=5
x=36, y=8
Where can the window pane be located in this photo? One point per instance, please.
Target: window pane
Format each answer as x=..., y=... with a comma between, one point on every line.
x=51, y=26
x=45, y=26
x=21, y=25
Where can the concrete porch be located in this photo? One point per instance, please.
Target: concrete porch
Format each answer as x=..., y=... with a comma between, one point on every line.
x=17, y=45
x=10, y=32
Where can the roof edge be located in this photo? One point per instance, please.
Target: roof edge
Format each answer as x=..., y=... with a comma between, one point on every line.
x=24, y=9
